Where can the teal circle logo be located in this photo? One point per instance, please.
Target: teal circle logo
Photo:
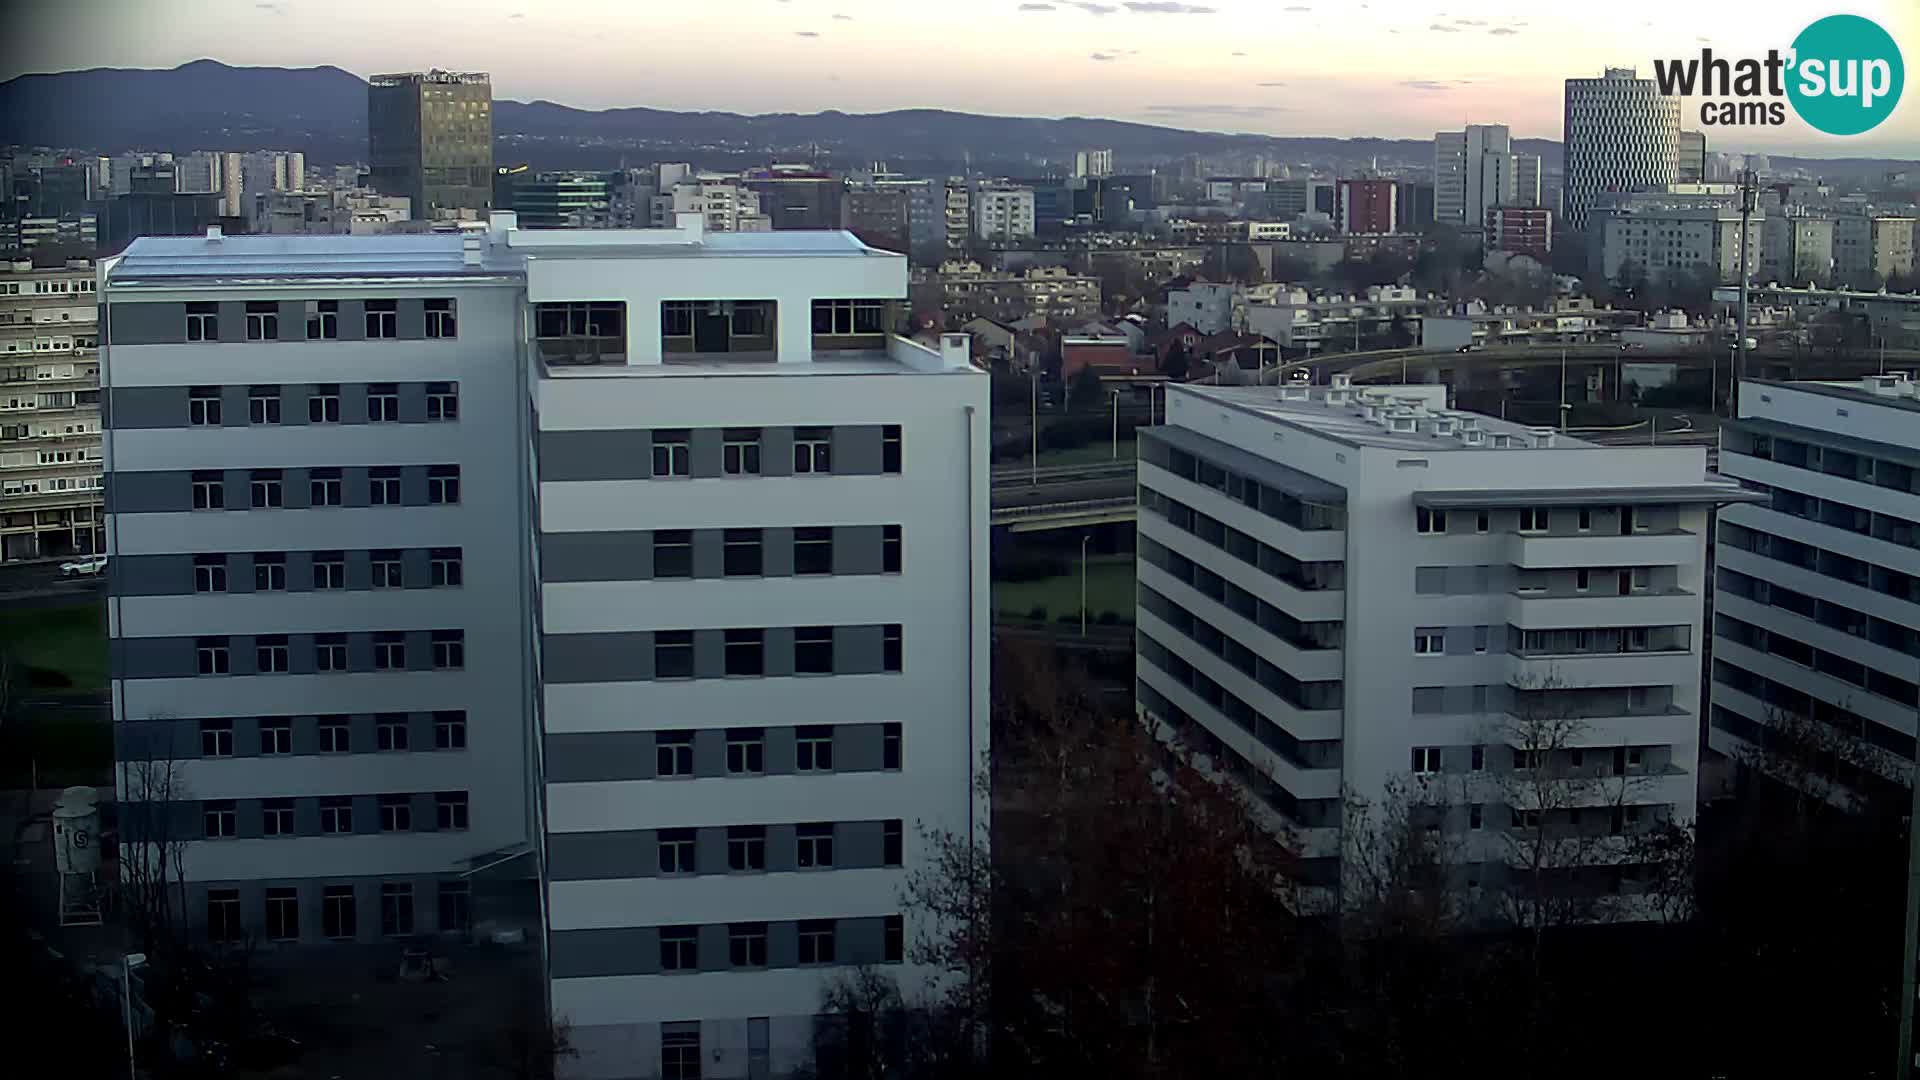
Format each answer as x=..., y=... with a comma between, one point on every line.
x=1846, y=76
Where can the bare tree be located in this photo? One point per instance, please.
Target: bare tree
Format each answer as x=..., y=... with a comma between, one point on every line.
x=153, y=796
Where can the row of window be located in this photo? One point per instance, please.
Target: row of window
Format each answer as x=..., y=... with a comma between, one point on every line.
x=1318, y=694
x=205, y=407
x=747, y=948
x=1531, y=520
x=266, y=488
x=1779, y=699
x=1276, y=504
x=220, y=818
x=382, y=320
x=50, y=399
x=745, y=551
x=1612, y=761
x=1305, y=635
x=386, y=567
x=1839, y=514
x=747, y=848
x=1822, y=561
x=1269, y=560
x=339, y=915
x=745, y=651
x=272, y=653
x=391, y=732
x=741, y=451
x=1844, y=668
x=1834, y=616
x=1305, y=754
x=1833, y=462
x=49, y=286
x=747, y=750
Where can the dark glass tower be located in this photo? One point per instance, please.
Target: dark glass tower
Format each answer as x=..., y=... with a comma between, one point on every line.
x=430, y=138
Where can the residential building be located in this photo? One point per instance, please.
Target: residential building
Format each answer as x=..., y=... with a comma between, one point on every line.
x=1796, y=248
x=199, y=172
x=1288, y=199
x=1890, y=317
x=124, y=217
x=1621, y=134
x=1526, y=180
x=1815, y=600
x=232, y=187
x=664, y=622
x=1093, y=163
x=727, y=205
x=1299, y=319
x=1206, y=306
x=49, y=412
x=1692, y=164
x=959, y=217
x=1663, y=234
x=967, y=290
x=1523, y=230
x=1352, y=591
x=1474, y=169
x=798, y=196
x=430, y=138
x=1415, y=210
x=1003, y=213
x=1367, y=206
x=879, y=216
x=1871, y=246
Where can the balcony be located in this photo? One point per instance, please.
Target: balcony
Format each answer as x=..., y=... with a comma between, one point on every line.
x=1540, y=551
x=742, y=331
x=1669, y=667
x=1603, y=608
x=581, y=334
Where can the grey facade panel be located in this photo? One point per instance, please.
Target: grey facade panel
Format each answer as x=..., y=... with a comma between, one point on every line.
x=776, y=551
x=156, y=738
x=353, y=320
x=596, y=455
x=233, y=403
x=366, y=814
x=586, y=658
x=578, y=954
x=782, y=848
x=709, y=753
x=595, y=756
x=596, y=556
x=710, y=850
x=783, y=945
x=856, y=748
x=601, y=856
x=856, y=549
x=162, y=658
x=413, y=403
x=293, y=320
x=153, y=492
x=146, y=324
x=412, y=319
x=859, y=845
x=857, y=650
x=233, y=321
x=780, y=751
x=413, y=485
x=703, y=453
x=776, y=451
x=859, y=941
x=709, y=553
x=856, y=450
x=132, y=407
x=151, y=575
x=779, y=651
x=709, y=654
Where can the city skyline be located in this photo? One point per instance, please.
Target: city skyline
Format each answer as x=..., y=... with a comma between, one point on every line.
x=1379, y=68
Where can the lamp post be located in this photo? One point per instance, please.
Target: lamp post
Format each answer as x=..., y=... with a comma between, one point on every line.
x=1116, y=425
x=1083, y=583
x=1033, y=426
x=127, y=964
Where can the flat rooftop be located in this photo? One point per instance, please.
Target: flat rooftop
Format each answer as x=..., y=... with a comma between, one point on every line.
x=1348, y=423
x=1860, y=390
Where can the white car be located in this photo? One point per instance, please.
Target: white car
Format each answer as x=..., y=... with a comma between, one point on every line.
x=88, y=566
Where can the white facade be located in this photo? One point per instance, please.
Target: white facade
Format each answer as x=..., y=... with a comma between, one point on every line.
x=1093, y=163
x=1621, y=134
x=1474, y=169
x=1349, y=587
x=49, y=413
x=1817, y=614
x=1003, y=213
x=1207, y=307
x=1673, y=234
x=726, y=205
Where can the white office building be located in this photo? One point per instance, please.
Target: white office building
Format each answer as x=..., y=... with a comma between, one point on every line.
x=625, y=586
x=1475, y=169
x=1003, y=213
x=1621, y=134
x=1817, y=604
x=1343, y=589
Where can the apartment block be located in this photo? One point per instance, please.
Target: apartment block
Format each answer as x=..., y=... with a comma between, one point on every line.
x=657, y=628
x=1868, y=248
x=1344, y=590
x=1659, y=234
x=50, y=461
x=1003, y=212
x=1817, y=598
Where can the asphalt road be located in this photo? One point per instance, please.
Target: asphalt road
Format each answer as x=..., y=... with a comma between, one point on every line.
x=27, y=585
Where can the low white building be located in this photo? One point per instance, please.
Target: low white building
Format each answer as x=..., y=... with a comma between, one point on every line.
x=1003, y=212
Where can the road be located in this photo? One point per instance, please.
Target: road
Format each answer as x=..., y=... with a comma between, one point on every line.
x=39, y=584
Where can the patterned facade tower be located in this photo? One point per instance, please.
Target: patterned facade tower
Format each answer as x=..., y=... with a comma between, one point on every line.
x=1621, y=134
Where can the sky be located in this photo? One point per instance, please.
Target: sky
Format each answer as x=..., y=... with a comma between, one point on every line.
x=1386, y=68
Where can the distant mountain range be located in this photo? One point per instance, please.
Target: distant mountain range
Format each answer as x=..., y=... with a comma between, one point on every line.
x=323, y=111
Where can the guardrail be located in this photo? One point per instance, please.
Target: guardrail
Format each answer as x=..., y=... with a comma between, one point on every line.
x=1061, y=509
x=1022, y=476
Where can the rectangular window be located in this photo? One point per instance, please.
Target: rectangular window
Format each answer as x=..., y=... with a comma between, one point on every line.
x=396, y=908
x=210, y=654
x=813, y=550
x=673, y=654
x=843, y=318
x=276, y=735
x=673, y=753
x=893, y=940
x=223, y=916
x=890, y=746
x=815, y=845
x=1426, y=760
x=269, y=572
x=444, y=569
x=263, y=320
x=326, y=487
x=383, y=486
x=323, y=320
x=323, y=404
x=386, y=568
x=390, y=731
x=203, y=322
x=1480, y=635
x=890, y=448
x=396, y=813
x=740, y=452
x=337, y=912
x=746, y=751
x=747, y=945
x=1535, y=519
x=203, y=406
x=680, y=1051
x=1429, y=641
x=676, y=318
x=1528, y=760
x=336, y=815
x=449, y=650
x=443, y=484
x=216, y=738
x=450, y=811
x=892, y=648
x=450, y=730
x=330, y=652
x=1525, y=819
x=209, y=491
x=816, y=941
x=389, y=651
x=220, y=818
x=813, y=748
x=336, y=736
x=812, y=450
x=276, y=817
x=743, y=553
x=1480, y=522
x=443, y=401
x=283, y=914
x=672, y=553
x=893, y=839
x=676, y=851
x=263, y=405
x=383, y=319
x=672, y=453
x=813, y=650
x=679, y=948
x=440, y=322
x=1475, y=817
x=1586, y=519
x=746, y=848
x=890, y=549
x=209, y=573
x=1429, y=521
x=383, y=403
x=456, y=907
x=264, y=489
x=1581, y=579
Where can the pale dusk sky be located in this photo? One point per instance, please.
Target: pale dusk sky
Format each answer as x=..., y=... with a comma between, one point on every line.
x=1283, y=67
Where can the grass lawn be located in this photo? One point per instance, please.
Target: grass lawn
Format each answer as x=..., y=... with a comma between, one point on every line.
x=69, y=640
x=1094, y=453
x=1109, y=588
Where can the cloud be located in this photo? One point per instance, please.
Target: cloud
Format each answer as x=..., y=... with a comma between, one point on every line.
x=1434, y=85
x=1442, y=28
x=1037, y=7
x=518, y=15
x=1469, y=22
x=1103, y=57
x=1241, y=111
x=1237, y=53
x=1299, y=7
x=272, y=9
x=843, y=18
x=1160, y=7
x=1095, y=9
x=1275, y=83
x=1502, y=31
x=805, y=33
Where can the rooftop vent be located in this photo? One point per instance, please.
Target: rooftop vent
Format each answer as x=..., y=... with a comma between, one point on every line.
x=1469, y=422
x=214, y=234
x=1342, y=380
x=1443, y=425
x=1542, y=436
x=1337, y=397
x=1293, y=391
x=1502, y=440
x=1401, y=423
x=1891, y=384
x=470, y=249
x=1473, y=437
x=1413, y=403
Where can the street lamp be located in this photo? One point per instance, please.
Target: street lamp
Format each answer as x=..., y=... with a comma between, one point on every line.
x=1116, y=425
x=1033, y=426
x=1083, y=583
x=127, y=964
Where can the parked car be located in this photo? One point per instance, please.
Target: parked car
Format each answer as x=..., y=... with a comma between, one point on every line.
x=87, y=567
